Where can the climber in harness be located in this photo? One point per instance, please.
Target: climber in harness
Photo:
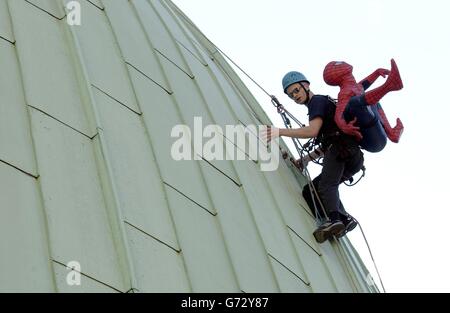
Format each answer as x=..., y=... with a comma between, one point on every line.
x=342, y=156
x=356, y=121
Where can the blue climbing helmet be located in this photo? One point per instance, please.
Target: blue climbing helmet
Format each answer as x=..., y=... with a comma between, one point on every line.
x=292, y=78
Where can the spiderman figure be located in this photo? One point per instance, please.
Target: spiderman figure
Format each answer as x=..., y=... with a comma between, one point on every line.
x=359, y=113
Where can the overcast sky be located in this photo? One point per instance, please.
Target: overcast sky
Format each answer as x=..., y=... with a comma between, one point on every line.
x=401, y=202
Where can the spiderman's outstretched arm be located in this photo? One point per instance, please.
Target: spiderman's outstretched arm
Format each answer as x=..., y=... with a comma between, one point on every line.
x=369, y=80
x=343, y=100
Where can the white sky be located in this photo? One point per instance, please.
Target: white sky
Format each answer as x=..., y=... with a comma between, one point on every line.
x=401, y=201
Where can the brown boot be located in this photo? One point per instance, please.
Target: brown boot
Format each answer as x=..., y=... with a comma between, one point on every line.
x=327, y=230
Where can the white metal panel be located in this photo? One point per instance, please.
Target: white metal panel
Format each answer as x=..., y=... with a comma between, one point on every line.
x=158, y=35
x=357, y=272
x=247, y=251
x=234, y=99
x=135, y=171
x=186, y=46
x=214, y=103
x=365, y=279
x=133, y=41
x=216, y=107
x=206, y=45
x=315, y=268
x=270, y=223
x=337, y=270
x=288, y=281
x=87, y=284
x=105, y=64
x=159, y=268
x=53, y=7
x=295, y=188
x=49, y=72
x=292, y=213
x=160, y=116
x=77, y=218
x=98, y=4
x=5, y=22
x=25, y=259
x=207, y=260
x=191, y=105
x=16, y=146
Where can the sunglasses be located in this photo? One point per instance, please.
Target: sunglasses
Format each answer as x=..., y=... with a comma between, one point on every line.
x=294, y=92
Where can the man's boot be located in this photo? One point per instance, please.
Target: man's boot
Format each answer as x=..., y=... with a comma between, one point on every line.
x=328, y=230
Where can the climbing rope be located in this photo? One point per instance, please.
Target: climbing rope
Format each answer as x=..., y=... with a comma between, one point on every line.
x=371, y=255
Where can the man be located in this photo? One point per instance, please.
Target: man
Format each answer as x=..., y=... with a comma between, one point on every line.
x=342, y=155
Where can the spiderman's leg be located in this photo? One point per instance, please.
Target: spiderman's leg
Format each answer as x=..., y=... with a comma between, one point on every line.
x=368, y=117
x=393, y=134
x=393, y=83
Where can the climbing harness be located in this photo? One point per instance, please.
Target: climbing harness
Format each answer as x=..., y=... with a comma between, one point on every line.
x=350, y=180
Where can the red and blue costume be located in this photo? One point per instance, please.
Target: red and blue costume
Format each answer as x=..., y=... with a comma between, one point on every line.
x=359, y=113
